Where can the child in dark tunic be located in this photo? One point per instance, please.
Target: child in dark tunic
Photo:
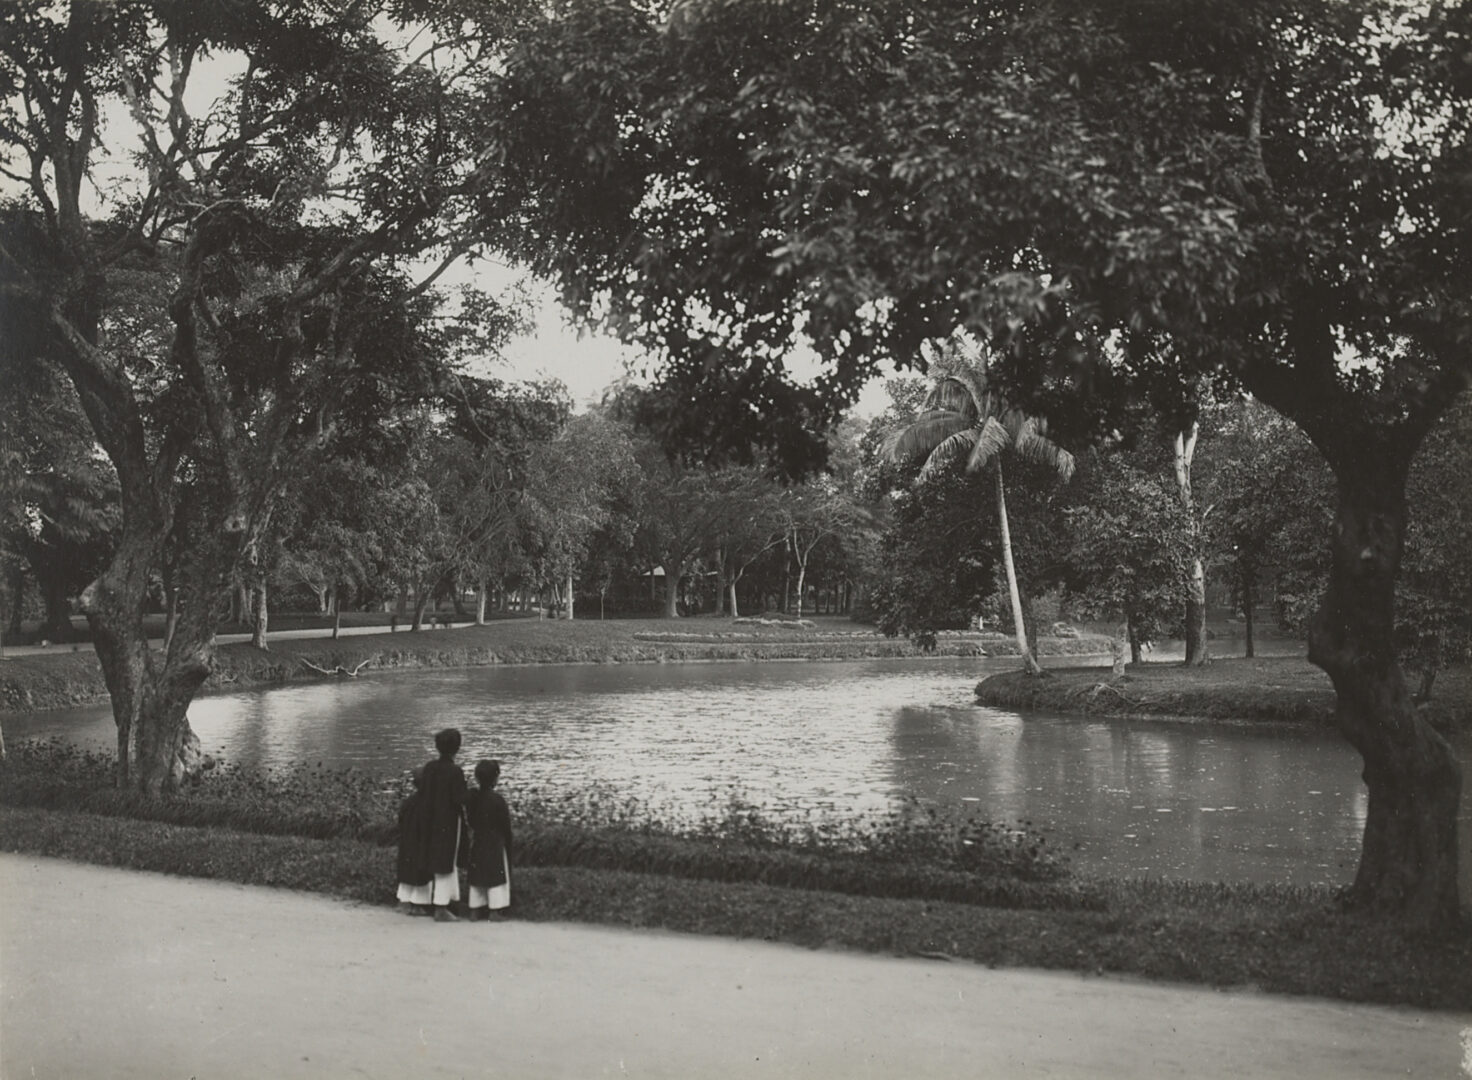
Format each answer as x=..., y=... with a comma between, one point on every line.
x=442, y=823
x=413, y=873
x=489, y=869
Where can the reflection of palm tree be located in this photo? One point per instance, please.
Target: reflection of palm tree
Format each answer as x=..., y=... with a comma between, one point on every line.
x=964, y=417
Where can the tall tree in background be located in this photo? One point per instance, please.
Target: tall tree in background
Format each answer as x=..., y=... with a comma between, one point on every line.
x=1435, y=600
x=1132, y=551
x=1271, y=501
x=572, y=480
x=749, y=524
x=967, y=420
x=812, y=513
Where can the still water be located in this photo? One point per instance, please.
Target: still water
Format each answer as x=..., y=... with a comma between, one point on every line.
x=1206, y=802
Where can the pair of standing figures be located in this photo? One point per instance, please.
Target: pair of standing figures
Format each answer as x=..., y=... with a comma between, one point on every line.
x=445, y=825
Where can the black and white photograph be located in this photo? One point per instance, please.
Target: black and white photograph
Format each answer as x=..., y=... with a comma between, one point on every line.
x=735, y=539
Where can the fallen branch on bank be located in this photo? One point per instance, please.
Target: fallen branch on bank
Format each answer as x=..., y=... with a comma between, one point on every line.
x=339, y=671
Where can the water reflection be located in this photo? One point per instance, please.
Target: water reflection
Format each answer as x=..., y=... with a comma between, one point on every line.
x=1205, y=802
x=1139, y=798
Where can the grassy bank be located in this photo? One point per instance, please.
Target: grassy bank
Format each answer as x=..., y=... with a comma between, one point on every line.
x=1275, y=690
x=1279, y=940
x=60, y=679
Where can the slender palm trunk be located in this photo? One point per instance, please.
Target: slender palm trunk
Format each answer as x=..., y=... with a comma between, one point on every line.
x=1185, y=449
x=1029, y=662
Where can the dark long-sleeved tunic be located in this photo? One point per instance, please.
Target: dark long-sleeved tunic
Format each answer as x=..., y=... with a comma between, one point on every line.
x=444, y=792
x=413, y=857
x=490, y=839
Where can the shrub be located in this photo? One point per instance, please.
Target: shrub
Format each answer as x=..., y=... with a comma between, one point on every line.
x=911, y=851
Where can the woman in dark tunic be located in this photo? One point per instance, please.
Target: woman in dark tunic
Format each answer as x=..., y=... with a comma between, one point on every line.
x=413, y=871
x=443, y=819
x=489, y=868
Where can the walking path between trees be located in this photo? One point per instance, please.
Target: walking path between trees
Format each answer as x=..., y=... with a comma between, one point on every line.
x=117, y=973
x=229, y=639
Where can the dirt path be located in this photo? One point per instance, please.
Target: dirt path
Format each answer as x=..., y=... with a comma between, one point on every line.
x=118, y=974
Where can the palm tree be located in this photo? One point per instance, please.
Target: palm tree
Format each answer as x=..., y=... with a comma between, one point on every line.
x=964, y=417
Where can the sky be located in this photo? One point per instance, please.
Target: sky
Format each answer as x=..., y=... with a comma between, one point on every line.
x=589, y=362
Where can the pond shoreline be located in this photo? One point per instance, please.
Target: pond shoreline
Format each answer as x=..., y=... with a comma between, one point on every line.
x=68, y=679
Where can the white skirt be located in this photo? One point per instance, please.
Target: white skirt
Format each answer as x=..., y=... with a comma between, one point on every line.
x=497, y=896
x=444, y=889
x=415, y=894
x=447, y=886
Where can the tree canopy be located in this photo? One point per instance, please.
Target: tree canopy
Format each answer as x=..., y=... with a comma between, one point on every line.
x=221, y=209
x=1276, y=191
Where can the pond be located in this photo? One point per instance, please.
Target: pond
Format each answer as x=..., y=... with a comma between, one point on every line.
x=1198, y=801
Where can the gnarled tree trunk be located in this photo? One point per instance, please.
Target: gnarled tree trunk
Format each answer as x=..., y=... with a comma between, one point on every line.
x=150, y=692
x=1408, y=863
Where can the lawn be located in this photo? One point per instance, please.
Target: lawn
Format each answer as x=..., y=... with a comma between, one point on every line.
x=1272, y=690
x=70, y=675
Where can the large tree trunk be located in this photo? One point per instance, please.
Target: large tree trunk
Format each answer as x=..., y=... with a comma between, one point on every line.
x=802, y=577
x=150, y=692
x=1185, y=450
x=1249, y=625
x=1019, y=626
x=671, y=591
x=260, y=615
x=568, y=616
x=735, y=610
x=480, y=603
x=1408, y=863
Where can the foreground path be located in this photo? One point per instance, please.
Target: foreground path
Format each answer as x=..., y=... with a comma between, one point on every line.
x=119, y=974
